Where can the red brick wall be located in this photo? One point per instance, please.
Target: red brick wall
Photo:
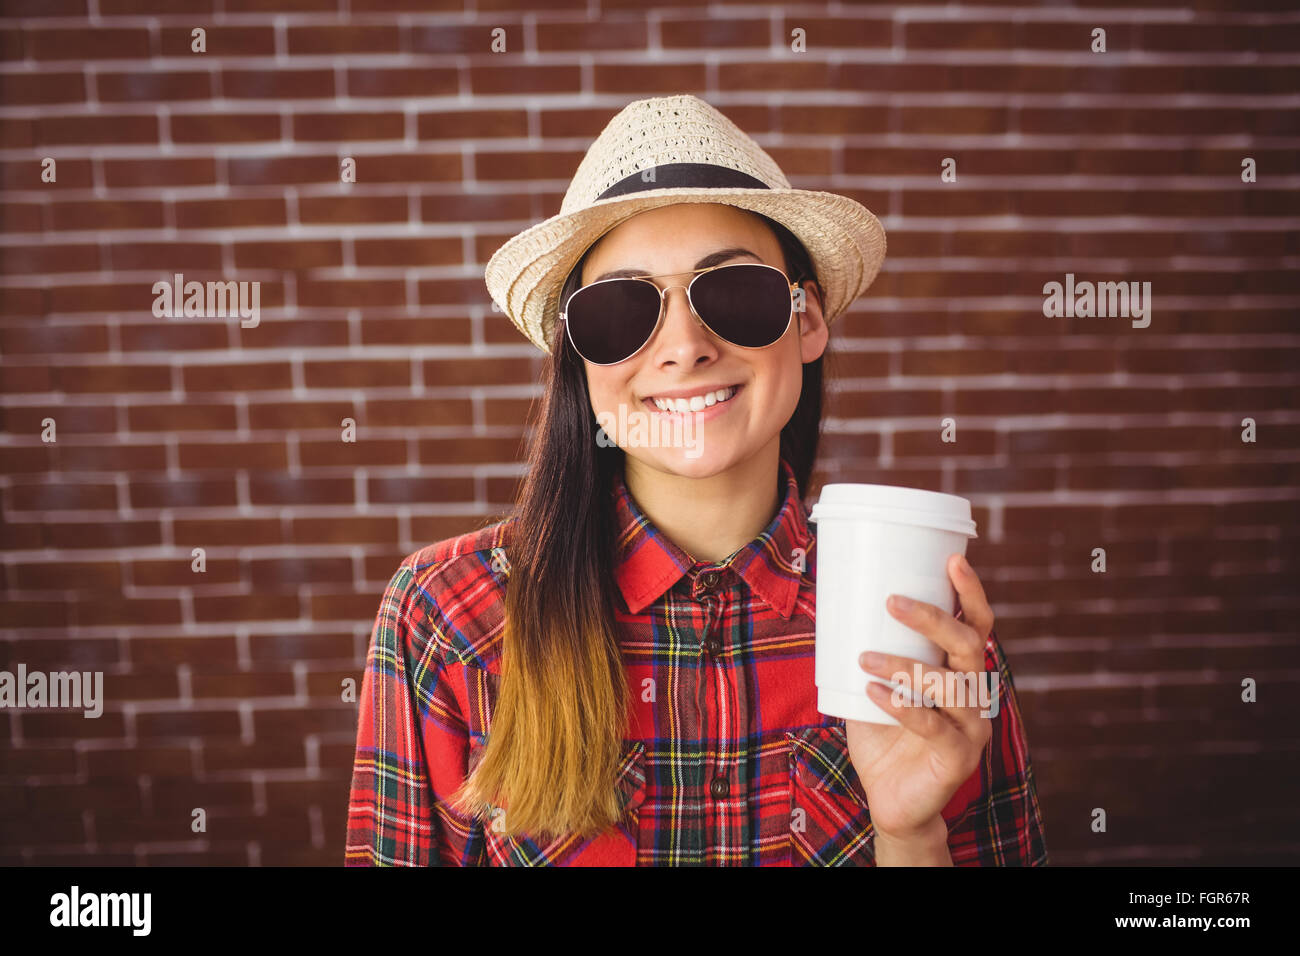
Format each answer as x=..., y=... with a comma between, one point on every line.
x=1072, y=434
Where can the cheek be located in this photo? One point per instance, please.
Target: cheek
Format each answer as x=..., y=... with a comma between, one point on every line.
x=606, y=390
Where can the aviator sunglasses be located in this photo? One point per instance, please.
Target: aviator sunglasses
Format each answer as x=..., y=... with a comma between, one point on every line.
x=746, y=304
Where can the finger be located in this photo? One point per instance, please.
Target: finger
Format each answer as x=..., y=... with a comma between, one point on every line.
x=975, y=609
x=958, y=693
x=930, y=723
x=964, y=646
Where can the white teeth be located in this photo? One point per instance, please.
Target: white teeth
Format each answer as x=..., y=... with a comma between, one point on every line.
x=695, y=403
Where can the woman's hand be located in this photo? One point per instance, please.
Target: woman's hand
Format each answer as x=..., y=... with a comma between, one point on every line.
x=910, y=772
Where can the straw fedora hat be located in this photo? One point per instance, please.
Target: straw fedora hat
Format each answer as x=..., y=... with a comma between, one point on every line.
x=675, y=149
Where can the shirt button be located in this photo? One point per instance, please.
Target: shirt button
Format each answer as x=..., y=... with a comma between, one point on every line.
x=709, y=580
x=719, y=787
x=713, y=646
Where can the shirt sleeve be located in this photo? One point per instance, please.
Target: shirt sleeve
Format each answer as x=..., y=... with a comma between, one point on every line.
x=411, y=740
x=1002, y=824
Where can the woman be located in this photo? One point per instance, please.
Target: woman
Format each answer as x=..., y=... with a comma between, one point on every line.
x=638, y=638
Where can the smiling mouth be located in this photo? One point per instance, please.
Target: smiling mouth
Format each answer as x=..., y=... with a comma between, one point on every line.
x=696, y=403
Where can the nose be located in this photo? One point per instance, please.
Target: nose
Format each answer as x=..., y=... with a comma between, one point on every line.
x=682, y=337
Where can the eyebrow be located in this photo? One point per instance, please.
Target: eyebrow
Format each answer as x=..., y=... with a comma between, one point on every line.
x=712, y=259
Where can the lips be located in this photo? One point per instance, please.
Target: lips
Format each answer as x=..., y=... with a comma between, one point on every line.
x=704, y=411
x=695, y=403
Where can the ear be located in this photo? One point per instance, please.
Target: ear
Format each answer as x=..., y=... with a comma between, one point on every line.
x=813, y=331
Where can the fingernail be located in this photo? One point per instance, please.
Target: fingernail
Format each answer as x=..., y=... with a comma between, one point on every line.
x=901, y=603
x=872, y=659
x=963, y=563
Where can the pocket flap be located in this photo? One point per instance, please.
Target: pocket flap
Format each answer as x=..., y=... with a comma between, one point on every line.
x=630, y=782
x=820, y=759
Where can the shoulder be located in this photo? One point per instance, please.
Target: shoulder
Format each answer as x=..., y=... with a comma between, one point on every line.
x=452, y=592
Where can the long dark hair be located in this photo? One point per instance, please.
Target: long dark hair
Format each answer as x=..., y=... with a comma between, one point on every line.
x=560, y=719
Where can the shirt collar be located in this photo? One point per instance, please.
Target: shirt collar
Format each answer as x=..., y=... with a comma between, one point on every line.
x=649, y=564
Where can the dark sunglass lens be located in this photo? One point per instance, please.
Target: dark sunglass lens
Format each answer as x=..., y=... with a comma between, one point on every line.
x=608, y=321
x=747, y=305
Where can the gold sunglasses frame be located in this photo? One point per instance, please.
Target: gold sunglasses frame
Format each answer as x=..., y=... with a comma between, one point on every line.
x=663, y=306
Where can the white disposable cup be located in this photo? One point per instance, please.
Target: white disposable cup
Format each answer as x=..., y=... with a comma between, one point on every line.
x=874, y=541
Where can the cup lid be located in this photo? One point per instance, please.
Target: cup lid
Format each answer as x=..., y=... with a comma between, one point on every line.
x=931, y=509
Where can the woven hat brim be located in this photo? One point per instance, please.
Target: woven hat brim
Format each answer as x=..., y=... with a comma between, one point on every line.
x=845, y=242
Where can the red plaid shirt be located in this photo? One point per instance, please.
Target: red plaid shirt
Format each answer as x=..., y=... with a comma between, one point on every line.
x=728, y=761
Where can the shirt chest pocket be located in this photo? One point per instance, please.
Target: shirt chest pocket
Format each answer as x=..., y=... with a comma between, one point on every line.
x=616, y=846
x=830, y=823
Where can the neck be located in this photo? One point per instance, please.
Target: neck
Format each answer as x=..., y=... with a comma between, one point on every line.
x=710, y=518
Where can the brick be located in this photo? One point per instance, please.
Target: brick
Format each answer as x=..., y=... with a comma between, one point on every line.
x=271, y=455
x=171, y=171
x=454, y=291
x=272, y=489
x=300, y=721
x=63, y=497
x=172, y=337
x=583, y=35
x=96, y=535
x=154, y=86
x=225, y=128
x=178, y=572
x=476, y=371
x=970, y=441
x=419, y=331
x=432, y=489
x=452, y=39
x=506, y=411
x=107, y=214
x=314, y=333
x=723, y=33
x=275, y=752
x=351, y=293
x=318, y=645
x=83, y=654
x=489, y=80
x=45, y=828
x=344, y=39
x=72, y=724
x=330, y=454
x=20, y=89
x=81, y=379
x=377, y=82
x=274, y=171
x=103, y=43
x=122, y=129
x=472, y=124
x=291, y=572
x=784, y=74
x=347, y=127
x=230, y=213
x=181, y=417
x=221, y=41
x=470, y=451
x=341, y=607
x=640, y=79
x=300, y=415
x=344, y=530
x=243, y=685
x=375, y=373
x=352, y=209
x=242, y=377
x=953, y=362
x=248, y=607
x=277, y=84
x=227, y=532
x=300, y=254
x=65, y=340
x=430, y=251
x=84, y=575
x=527, y=165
